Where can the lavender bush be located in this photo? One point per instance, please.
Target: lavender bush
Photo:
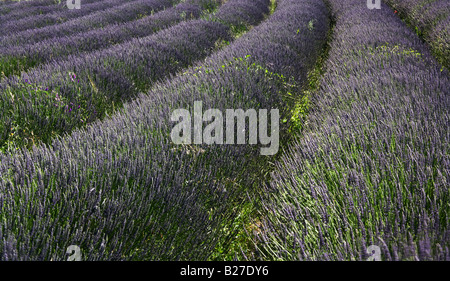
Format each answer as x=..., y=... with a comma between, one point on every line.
x=243, y=14
x=123, y=190
x=431, y=20
x=371, y=166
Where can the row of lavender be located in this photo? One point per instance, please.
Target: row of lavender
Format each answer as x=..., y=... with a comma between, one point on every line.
x=15, y=59
x=431, y=20
x=62, y=95
x=59, y=14
x=369, y=177
x=121, y=186
x=19, y=12
x=125, y=12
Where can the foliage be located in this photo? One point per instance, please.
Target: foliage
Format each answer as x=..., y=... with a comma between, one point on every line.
x=371, y=166
x=431, y=20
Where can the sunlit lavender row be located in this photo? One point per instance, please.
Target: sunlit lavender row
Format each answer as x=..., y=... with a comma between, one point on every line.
x=371, y=169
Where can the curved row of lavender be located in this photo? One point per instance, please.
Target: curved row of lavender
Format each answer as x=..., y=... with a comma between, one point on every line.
x=431, y=20
x=241, y=14
x=128, y=11
x=35, y=8
x=372, y=165
x=60, y=15
x=15, y=59
x=124, y=178
x=57, y=97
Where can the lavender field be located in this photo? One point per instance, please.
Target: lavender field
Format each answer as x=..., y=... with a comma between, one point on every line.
x=352, y=161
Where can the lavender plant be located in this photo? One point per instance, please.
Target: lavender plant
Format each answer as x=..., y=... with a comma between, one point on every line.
x=431, y=20
x=120, y=189
x=371, y=166
x=243, y=14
